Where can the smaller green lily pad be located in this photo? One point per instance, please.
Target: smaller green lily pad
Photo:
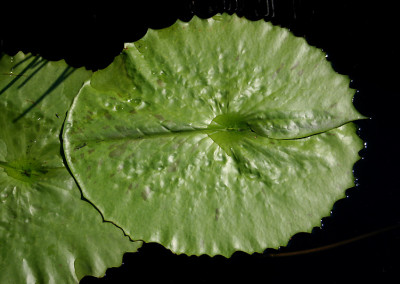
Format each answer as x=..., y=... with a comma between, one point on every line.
x=48, y=234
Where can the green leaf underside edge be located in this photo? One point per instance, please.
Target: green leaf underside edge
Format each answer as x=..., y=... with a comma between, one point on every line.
x=47, y=233
x=214, y=136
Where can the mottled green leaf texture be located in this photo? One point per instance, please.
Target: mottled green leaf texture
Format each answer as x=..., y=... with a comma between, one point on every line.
x=48, y=234
x=214, y=136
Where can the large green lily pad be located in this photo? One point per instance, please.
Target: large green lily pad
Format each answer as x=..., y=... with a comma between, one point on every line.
x=47, y=233
x=215, y=136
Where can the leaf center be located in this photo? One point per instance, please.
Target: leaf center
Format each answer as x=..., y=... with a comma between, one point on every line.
x=231, y=127
x=24, y=170
x=230, y=122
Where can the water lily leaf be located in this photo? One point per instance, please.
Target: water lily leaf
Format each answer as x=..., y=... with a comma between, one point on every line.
x=47, y=233
x=214, y=136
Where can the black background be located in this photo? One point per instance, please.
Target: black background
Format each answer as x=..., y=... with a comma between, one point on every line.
x=359, y=242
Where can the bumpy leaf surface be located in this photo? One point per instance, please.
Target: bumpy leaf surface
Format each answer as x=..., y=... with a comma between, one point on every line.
x=214, y=136
x=47, y=233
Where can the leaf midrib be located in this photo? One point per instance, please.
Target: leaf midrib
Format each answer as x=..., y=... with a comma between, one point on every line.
x=6, y=165
x=154, y=135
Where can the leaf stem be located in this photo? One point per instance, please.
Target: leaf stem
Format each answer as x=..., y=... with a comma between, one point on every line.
x=334, y=245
